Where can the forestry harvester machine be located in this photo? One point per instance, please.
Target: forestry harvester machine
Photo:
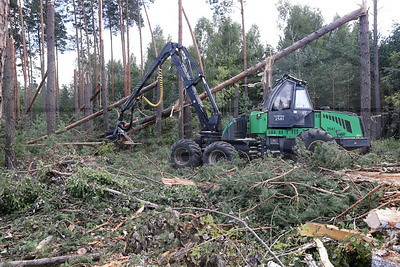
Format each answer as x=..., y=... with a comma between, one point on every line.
x=286, y=116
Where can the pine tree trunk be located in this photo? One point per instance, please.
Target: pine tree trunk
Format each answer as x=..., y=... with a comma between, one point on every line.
x=24, y=59
x=89, y=64
x=9, y=104
x=112, y=66
x=96, y=73
x=246, y=92
x=87, y=111
x=365, y=74
x=122, y=29
x=194, y=41
x=181, y=94
x=51, y=70
x=159, y=109
x=4, y=5
x=104, y=88
x=378, y=108
x=77, y=39
x=42, y=56
x=128, y=58
x=76, y=91
x=236, y=101
x=140, y=39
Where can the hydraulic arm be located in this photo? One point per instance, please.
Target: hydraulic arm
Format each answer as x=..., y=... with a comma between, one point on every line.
x=191, y=75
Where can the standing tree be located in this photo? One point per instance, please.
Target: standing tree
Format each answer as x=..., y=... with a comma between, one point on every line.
x=27, y=99
x=51, y=71
x=365, y=73
x=104, y=87
x=377, y=93
x=246, y=93
x=181, y=93
x=9, y=103
x=4, y=4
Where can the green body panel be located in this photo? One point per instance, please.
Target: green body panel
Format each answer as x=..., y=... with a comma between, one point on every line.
x=338, y=124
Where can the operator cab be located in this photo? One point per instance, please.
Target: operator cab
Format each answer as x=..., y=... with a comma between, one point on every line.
x=289, y=105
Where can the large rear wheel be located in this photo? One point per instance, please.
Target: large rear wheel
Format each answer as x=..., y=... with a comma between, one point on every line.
x=311, y=138
x=185, y=153
x=218, y=151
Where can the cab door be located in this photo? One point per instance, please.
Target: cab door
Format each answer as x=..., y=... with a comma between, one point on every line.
x=290, y=106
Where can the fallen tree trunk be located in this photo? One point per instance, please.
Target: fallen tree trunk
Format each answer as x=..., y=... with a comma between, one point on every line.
x=50, y=261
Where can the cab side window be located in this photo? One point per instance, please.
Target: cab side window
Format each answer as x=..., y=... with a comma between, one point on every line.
x=302, y=100
x=284, y=98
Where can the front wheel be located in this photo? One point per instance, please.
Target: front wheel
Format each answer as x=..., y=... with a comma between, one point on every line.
x=312, y=137
x=185, y=153
x=218, y=151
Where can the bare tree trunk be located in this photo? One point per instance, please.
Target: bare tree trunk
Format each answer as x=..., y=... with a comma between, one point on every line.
x=57, y=86
x=89, y=61
x=42, y=56
x=16, y=89
x=236, y=101
x=140, y=39
x=122, y=29
x=128, y=58
x=76, y=92
x=4, y=5
x=181, y=118
x=51, y=65
x=378, y=108
x=96, y=73
x=82, y=74
x=244, y=42
x=87, y=111
x=112, y=66
x=24, y=59
x=365, y=74
x=9, y=104
x=104, y=88
x=80, y=89
x=30, y=76
x=160, y=107
x=194, y=41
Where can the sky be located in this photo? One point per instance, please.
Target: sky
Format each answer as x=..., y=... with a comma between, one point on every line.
x=262, y=13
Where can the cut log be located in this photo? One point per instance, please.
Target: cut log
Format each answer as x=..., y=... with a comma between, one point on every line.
x=50, y=261
x=388, y=218
x=318, y=230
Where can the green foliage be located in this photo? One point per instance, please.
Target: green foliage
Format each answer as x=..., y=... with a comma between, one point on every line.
x=88, y=183
x=106, y=149
x=353, y=252
x=327, y=154
x=17, y=193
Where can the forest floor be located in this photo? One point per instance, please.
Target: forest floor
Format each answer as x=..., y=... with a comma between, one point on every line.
x=114, y=206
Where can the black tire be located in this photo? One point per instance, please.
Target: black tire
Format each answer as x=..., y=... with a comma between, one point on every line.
x=185, y=153
x=218, y=151
x=311, y=138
